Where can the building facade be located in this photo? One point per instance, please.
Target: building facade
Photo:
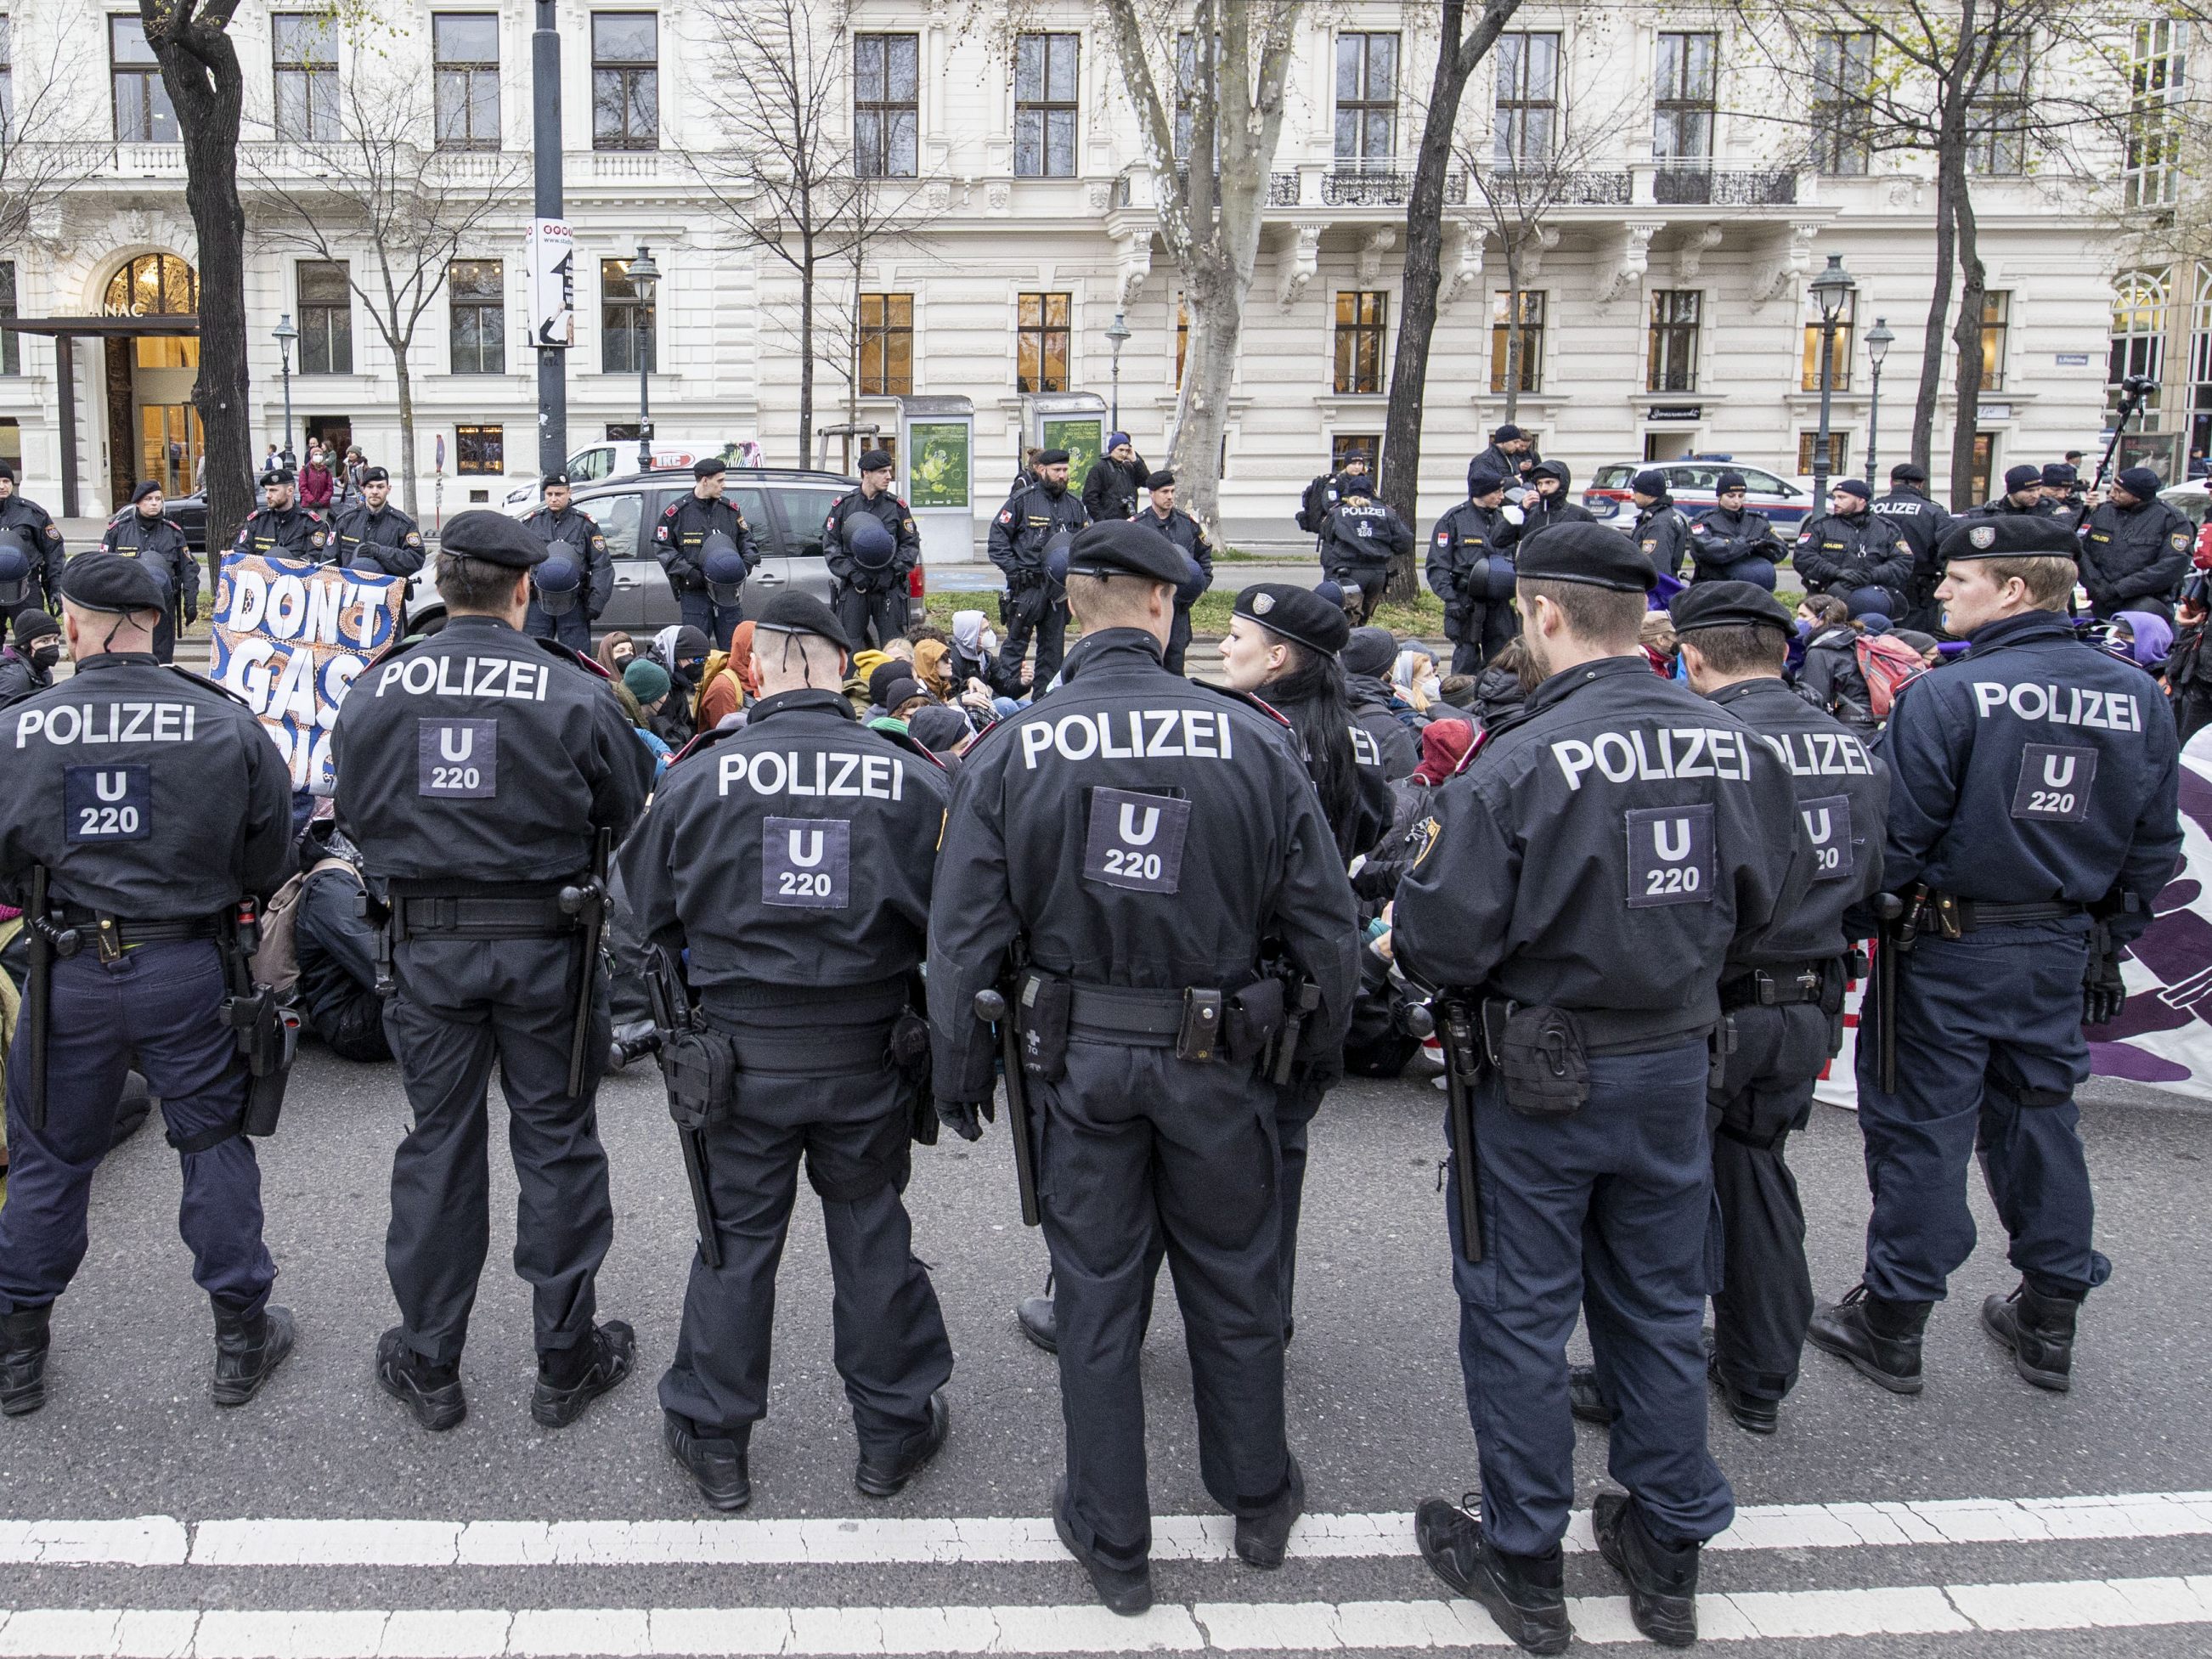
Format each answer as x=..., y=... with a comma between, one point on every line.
x=1622, y=186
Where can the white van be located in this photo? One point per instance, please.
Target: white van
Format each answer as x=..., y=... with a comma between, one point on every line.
x=618, y=458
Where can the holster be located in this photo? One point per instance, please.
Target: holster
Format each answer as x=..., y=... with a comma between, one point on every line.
x=700, y=1068
x=1042, y=1003
x=1720, y=1045
x=1542, y=1061
x=268, y=1032
x=1199, y=1034
x=1253, y=1015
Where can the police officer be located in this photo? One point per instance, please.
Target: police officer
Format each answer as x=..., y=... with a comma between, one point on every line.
x=140, y=532
x=2135, y=549
x=1034, y=516
x=1187, y=533
x=871, y=595
x=2032, y=822
x=803, y=909
x=1547, y=503
x=41, y=538
x=374, y=534
x=1470, y=570
x=155, y=802
x=679, y=541
x=474, y=768
x=1920, y=525
x=280, y=527
x=2061, y=490
x=1358, y=540
x=1133, y=840
x=2023, y=493
x=1848, y=550
x=1324, y=492
x=1669, y=831
x=579, y=592
x=1662, y=529
x=1728, y=543
x=1782, y=999
x=27, y=665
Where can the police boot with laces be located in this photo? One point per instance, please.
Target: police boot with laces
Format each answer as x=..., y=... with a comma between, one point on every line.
x=716, y=1464
x=1125, y=1590
x=1525, y=1594
x=2039, y=1331
x=432, y=1392
x=569, y=1379
x=886, y=1479
x=248, y=1348
x=23, y=1339
x=1662, y=1578
x=1262, y=1538
x=1878, y=1337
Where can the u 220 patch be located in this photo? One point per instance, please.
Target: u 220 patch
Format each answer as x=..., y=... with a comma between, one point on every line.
x=456, y=759
x=1670, y=855
x=1828, y=828
x=806, y=864
x=1136, y=840
x=107, y=803
x=2054, y=783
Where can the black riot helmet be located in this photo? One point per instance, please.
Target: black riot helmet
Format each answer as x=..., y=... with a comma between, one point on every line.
x=870, y=542
x=723, y=567
x=15, y=570
x=559, y=580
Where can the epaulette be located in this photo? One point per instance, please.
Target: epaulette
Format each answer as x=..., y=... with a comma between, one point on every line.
x=207, y=684
x=1247, y=699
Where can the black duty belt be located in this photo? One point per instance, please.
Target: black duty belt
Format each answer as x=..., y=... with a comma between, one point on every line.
x=1779, y=986
x=119, y=934
x=1141, y=1019
x=1988, y=913
x=1608, y=1031
x=840, y=1031
x=479, y=917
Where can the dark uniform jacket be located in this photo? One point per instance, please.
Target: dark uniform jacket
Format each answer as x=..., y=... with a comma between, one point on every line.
x=1376, y=728
x=149, y=794
x=1720, y=539
x=897, y=517
x=1361, y=533
x=582, y=531
x=1323, y=493
x=1662, y=530
x=43, y=544
x=1507, y=467
x=1032, y=516
x=1605, y=850
x=1111, y=490
x=377, y=539
x=292, y=533
x=2133, y=556
x=1187, y=534
x=1540, y=512
x=1469, y=566
x=162, y=546
x=680, y=536
x=19, y=678
x=2034, y=769
x=480, y=755
x=1920, y=525
x=2005, y=504
x=1137, y=829
x=1836, y=553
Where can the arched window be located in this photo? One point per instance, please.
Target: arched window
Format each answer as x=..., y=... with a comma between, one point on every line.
x=2139, y=325
x=157, y=285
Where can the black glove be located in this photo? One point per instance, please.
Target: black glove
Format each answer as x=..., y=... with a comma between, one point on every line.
x=191, y=615
x=961, y=1117
x=2104, y=993
x=921, y=1123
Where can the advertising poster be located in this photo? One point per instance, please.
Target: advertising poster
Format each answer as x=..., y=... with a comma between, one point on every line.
x=938, y=468
x=1084, y=438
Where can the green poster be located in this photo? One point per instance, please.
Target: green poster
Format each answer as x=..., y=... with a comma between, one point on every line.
x=1083, y=437
x=939, y=468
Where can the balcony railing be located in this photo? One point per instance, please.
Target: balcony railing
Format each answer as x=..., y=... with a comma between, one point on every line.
x=1378, y=187
x=1697, y=186
x=1282, y=189
x=1574, y=189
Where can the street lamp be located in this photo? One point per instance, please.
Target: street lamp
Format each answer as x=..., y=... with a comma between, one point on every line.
x=1832, y=290
x=284, y=334
x=643, y=275
x=1879, y=341
x=1117, y=335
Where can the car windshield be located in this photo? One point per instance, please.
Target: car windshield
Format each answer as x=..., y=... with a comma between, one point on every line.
x=1612, y=477
x=804, y=508
x=587, y=465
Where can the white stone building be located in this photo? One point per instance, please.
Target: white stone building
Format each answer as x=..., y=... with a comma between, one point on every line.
x=1666, y=290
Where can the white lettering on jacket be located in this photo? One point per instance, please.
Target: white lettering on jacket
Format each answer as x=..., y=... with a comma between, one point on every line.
x=1646, y=753
x=67, y=723
x=830, y=774
x=1129, y=734
x=2060, y=705
x=1820, y=754
x=465, y=676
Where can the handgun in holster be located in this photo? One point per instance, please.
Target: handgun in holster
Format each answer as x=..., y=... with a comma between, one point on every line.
x=700, y=1068
x=267, y=1030
x=379, y=916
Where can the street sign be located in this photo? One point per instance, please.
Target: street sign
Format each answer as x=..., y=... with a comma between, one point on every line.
x=552, y=284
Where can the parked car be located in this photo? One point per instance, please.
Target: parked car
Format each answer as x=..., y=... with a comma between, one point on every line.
x=1690, y=484
x=189, y=514
x=616, y=457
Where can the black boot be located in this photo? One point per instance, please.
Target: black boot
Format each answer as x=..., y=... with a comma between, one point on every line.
x=1034, y=1314
x=1753, y=1413
x=1585, y=1399
x=1262, y=1538
x=247, y=1350
x=2039, y=1331
x=716, y=1465
x=23, y=1339
x=575, y=1378
x=1525, y=1594
x=1880, y=1338
x=887, y=1480
x=432, y=1392
x=1125, y=1590
x=1662, y=1578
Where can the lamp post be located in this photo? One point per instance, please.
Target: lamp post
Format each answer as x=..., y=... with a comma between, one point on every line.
x=1879, y=341
x=644, y=275
x=1117, y=335
x=284, y=334
x=1832, y=289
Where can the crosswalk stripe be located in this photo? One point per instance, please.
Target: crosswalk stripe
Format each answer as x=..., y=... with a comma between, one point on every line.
x=1201, y=1626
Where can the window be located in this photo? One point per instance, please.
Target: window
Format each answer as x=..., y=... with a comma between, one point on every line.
x=2139, y=323
x=1526, y=129
x=1996, y=320
x=306, y=56
x=479, y=449
x=1843, y=69
x=2149, y=175
x=473, y=288
x=1045, y=105
x=1984, y=464
x=1360, y=326
x=325, y=317
x=1838, y=448
x=7, y=72
x=11, y=347
x=1366, y=99
x=887, y=104
x=1531, y=342
x=466, y=46
x=1182, y=338
x=1839, y=362
x=1367, y=446
x=886, y=367
x=144, y=114
x=1041, y=343
x=157, y=285
x=625, y=323
x=625, y=80
x=1997, y=138
x=1675, y=316
x=1683, y=98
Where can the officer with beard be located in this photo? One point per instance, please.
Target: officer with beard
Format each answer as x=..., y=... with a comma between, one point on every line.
x=2135, y=549
x=1855, y=554
x=1187, y=533
x=373, y=533
x=1034, y=517
x=280, y=527
x=140, y=532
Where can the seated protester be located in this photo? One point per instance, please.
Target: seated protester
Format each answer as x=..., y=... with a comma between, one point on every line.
x=974, y=648
x=1367, y=656
x=1414, y=677
x=898, y=699
x=681, y=650
x=615, y=650
x=1657, y=638
x=337, y=950
x=648, y=685
x=880, y=680
x=1445, y=743
x=944, y=732
x=2189, y=670
x=2143, y=638
x=1456, y=691
x=1503, y=685
x=733, y=684
x=1926, y=644
x=930, y=657
x=28, y=666
x=1830, y=679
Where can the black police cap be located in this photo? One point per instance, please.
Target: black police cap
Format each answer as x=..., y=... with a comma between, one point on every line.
x=275, y=474
x=712, y=466
x=801, y=613
x=2008, y=535
x=1298, y=614
x=1122, y=547
x=1587, y=553
x=142, y=489
x=1161, y=480
x=1726, y=605
x=875, y=460
x=370, y=475
x=1052, y=458
x=552, y=481
x=1483, y=482
x=108, y=582
x=493, y=537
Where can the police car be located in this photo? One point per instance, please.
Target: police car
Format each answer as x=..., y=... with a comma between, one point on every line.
x=1690, y=481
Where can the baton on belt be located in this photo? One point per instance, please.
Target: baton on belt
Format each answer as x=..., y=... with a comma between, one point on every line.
x=992, y=1007
x=591, y=901
x=43, y=942
x=1894, y=940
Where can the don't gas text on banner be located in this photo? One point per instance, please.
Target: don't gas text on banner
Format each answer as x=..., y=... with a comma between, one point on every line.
x=290, y=636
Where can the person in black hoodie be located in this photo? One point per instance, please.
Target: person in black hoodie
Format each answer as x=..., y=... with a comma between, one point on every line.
x=1830, y=678
x=1367, y=656
x=28, y=666
x=1548, y=502
x=1115, y=484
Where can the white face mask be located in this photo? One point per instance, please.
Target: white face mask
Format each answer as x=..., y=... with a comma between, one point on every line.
x=989, y=641
x=1432, y=686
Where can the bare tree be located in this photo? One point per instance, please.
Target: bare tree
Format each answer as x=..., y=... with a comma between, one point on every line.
x=47, y=135
x=388, y=208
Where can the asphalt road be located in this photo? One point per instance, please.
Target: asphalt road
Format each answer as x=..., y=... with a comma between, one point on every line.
x=1376, y=1413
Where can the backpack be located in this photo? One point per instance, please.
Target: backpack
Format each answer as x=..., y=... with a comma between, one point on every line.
x=1887, y=664
x=1313, y=506
x=276, y=961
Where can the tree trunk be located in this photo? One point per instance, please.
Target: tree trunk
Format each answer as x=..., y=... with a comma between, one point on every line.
x=1939, y=309
x=406, y=433
x=1967, y=335
x=806, y=357
x=1216, y=301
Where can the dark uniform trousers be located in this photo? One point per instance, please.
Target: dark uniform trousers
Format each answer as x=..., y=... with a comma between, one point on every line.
x=1488, y=630
x=460, y=1004
x=855, y=1127
x=162, y=1003
x=572, y=627
x=1606, y=1210
x=883, y=610
x=1297, y=1103
x=1990, y=1050
x=1040, y=607
x=1134, y=1145
x=1178, y=640
x=717, y=622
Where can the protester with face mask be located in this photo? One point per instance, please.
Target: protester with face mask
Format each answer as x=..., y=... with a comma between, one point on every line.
x=28, y=666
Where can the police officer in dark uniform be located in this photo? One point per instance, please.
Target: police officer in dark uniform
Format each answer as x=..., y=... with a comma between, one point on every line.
x=1470, y=570
x=2023, y=493
x=281, y=528
x=871, y=596
x=1034, y=516
x=2135, y=549
x=2032, y=822
x=581, y=591
x=1850, y=549
x=1613, y=842
x=793, y=862
x=140, y=532
x=41, y=537
x=1662, y=529
x=1782, y=1000
x=155, y=802
x=1133, y=842
x=1324, y=492
x=679, y=541
x=1367, y=657
x=1511, y=451
x=374, y=534
x=1358, y=540
x=474, y=768
x=1187, y=533
x=1920, y=525
x=2061, y=490
x=1728, y=543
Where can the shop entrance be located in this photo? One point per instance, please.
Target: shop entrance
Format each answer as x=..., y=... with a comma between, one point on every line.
x=153, y=427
